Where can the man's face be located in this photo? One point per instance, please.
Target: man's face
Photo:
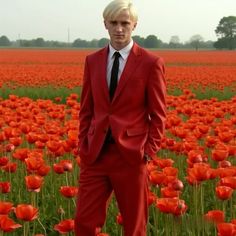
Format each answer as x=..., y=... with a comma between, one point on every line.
x=120, y=29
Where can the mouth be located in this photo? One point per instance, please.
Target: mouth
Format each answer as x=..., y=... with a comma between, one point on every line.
x=118, y=36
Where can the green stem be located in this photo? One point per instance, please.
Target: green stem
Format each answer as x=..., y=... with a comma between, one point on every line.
x=26, y=229
x=67, y=182
x=73, y=200
x=196, y=205
x=174, y=226
x=231, y=208
x=33, y=199
x=167, y=224
x=69, y=208
x=45, y=232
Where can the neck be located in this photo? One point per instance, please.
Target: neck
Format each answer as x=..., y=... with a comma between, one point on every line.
x=118, y=46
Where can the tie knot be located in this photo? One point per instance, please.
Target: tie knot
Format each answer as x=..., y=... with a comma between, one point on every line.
x=116, y=54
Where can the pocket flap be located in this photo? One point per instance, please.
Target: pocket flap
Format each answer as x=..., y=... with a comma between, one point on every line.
x=136, y=131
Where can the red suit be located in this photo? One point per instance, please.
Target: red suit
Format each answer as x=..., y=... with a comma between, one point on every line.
x=136, y=117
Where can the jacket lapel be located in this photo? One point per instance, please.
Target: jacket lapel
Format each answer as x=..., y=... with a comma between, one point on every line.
x=131, y=65
x=102, y=64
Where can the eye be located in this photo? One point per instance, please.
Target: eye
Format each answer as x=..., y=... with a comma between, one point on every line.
x=125, y=23
x=113, y=22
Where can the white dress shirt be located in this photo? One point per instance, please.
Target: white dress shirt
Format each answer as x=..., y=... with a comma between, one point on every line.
x=124, y=52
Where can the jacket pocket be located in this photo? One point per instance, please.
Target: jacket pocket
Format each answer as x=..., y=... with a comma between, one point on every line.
x=136, y=131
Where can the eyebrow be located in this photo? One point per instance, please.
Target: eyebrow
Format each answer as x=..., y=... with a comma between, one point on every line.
x=122, y=22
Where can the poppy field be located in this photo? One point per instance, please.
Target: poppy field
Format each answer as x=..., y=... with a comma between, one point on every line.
x=192, y=179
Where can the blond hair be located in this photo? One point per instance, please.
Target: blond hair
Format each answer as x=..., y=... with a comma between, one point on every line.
x=114, y=8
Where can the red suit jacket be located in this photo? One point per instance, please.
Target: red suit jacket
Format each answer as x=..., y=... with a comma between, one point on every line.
x=136, y=114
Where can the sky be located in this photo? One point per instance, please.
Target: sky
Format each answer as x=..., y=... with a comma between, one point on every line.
x=67, y=20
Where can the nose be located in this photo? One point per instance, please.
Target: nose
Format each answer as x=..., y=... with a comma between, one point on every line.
x=118, y=28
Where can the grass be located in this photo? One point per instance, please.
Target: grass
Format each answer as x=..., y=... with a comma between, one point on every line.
x=206, y=93
x=35, y=93
x=50, y=92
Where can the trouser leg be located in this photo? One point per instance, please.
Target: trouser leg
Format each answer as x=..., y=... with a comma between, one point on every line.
x=94, y=192
x=130, y=186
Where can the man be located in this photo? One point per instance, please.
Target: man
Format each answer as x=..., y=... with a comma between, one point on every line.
x=122, y=117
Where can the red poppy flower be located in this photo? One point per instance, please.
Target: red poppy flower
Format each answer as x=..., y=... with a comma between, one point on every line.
x=33, y=182
x=227, y=171
x=7, y=224
x=39, y=144
x=65, y=226
x=224, y=164
x=211, y=141
x=224, y=192
x=5, y=207
x=233, y=221
x=170, y=171
x=16, y=141
x=226, y=229
x=21, y=154
x=68, y=191
x=170, y=142
x=34, y=162
x=67, y=165
x=98, y=230
x=57, y=99
x=168, y=192
x=151, y=198
x=9, y=147
x=24, y=127
x=43, y=170
x=26, y=212
x=3, y=161
x=232, y=149
x=229, y=181
x=10, y=167
x=194, y=156
x=215, y=216
x=31, y=137
x=174, y=206
x=53, y=145
x=119, y=219
x=219, y=154
x=58, y=168
x=162, y=163
x=157, y=177
x=73, y=138
x=5, y=187
x=199, y=172
x=176, y=185
x=225, y=136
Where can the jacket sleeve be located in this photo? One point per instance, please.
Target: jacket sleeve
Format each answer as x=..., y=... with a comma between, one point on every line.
x=86, y=105
x=156, y=103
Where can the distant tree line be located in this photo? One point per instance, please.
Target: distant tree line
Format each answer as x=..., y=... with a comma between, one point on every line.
x=225, y=31
x=151, y=41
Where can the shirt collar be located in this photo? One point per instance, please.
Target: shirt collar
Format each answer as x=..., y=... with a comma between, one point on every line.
x=124, y=52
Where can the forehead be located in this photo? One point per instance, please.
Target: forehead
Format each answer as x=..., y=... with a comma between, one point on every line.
x=123, y=15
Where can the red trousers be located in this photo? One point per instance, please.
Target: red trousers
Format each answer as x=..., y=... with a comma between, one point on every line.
x=97, y=182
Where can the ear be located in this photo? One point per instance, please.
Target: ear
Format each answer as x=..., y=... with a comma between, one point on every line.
x=135, y=24
x=105, y=24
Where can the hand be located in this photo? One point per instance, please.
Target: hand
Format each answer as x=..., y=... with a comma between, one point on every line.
x=147, y=158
